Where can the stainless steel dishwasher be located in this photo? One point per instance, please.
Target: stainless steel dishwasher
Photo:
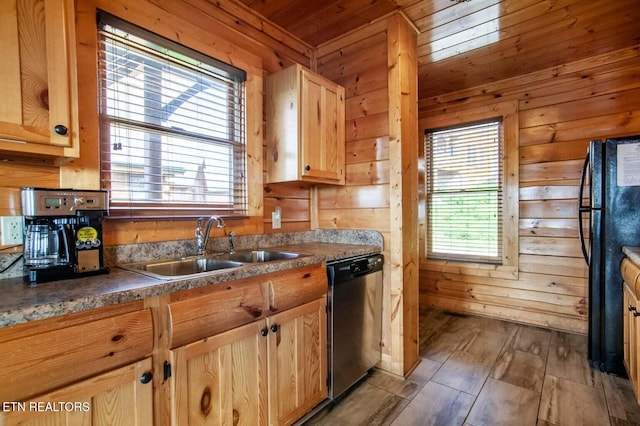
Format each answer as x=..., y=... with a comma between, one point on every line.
x=354, y=320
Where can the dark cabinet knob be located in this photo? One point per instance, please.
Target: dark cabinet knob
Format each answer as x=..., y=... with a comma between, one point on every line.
x=146, y=377
x=307, y=167
x=264, y=332
x=631, y=308
x=636, y=313
x=274, y=327
x=61, y=130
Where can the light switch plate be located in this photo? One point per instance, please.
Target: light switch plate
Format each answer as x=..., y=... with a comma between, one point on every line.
x=11, y=227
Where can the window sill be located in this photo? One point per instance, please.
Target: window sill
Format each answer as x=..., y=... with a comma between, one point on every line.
x=469, y=268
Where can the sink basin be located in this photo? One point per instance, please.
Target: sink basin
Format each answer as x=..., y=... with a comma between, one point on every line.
x=190, y=266
x=254, y=256
x=183, y=267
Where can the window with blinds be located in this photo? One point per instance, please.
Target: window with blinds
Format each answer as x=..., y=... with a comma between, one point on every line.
x=464, y=192
x=172, y=127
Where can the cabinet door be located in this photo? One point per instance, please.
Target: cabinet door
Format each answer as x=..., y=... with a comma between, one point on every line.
x=222, y=379
x=631, y=338
x=37, y=78
x=297, y=361
x=322, y=129
x=120, y=397
x=627, y=308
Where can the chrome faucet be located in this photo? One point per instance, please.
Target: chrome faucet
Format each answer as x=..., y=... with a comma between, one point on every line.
x=232, y=243
x=203, y=236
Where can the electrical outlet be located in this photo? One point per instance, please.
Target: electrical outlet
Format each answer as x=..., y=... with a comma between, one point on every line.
x=276, y=218
x=11, y=227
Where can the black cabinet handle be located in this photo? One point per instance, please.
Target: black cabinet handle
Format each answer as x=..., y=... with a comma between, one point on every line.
x=274, y=327
x=307, y=167
x=264, y=332
x=631, y=308
x=636, y=313
x=61, y=130
x=146, y=377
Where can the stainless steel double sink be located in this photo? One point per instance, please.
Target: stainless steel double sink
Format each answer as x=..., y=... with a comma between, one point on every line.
x=190, y=266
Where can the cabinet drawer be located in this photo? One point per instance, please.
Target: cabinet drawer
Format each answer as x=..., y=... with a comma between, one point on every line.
x=42, y=362
x=307, y=284
x=196, y=314
x=206, y=311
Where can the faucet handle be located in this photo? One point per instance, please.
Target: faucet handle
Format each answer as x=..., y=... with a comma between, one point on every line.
x=199, y=226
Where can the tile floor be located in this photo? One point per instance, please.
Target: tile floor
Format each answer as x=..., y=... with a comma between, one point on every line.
x=480, y=371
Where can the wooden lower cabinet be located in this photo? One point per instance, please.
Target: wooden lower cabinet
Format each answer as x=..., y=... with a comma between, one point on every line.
x=123, y=396
x=631, y=338
x=249, y=352
x=297, y=361
x=631, y=324
x=86, y=368
x=222, y=379
x=271, y=371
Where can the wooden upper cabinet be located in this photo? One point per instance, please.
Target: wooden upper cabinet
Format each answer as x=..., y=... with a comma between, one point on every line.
x=305, y=128
x=38, y=112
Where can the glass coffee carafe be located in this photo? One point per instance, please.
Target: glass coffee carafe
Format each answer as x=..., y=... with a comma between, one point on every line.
x=46, y=245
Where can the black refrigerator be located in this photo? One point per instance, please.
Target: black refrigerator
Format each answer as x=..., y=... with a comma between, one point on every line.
x=609, y=201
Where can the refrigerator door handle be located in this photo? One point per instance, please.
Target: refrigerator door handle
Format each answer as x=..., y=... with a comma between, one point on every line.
x=582, y=208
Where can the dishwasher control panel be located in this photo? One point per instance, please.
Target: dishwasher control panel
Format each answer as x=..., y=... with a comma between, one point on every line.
x=349, y=268
x=364, y=265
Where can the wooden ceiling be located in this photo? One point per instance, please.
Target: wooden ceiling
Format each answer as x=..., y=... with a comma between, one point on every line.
x=467, y=44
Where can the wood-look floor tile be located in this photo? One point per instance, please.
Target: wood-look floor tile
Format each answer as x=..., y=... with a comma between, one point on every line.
x=462, y=373
x=570, y=364
x=410, y=386
x=436, y=404
x=615, y=403
x=532, y=340
x=578, y=342
x=501, y=403
x=466, y=345
x=483, y=323
x=483, y=346
x=627, y=397
x=361, y=406
x=522, y=361
x=440, y=347
x=614, y=421
x=387, y=413
x=520, y=368
x=568, y=403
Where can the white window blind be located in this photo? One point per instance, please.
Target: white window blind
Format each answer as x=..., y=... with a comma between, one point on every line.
x=464, y=192
x=172, y=127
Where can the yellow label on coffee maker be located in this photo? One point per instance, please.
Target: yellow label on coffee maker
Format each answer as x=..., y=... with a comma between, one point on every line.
x=86, y=233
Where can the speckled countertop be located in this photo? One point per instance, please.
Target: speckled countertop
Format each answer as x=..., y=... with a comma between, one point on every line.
x=23, y=303
x=633, y=253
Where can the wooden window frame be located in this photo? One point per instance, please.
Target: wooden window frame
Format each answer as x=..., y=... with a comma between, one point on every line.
x=508, y=269
x=142, y=208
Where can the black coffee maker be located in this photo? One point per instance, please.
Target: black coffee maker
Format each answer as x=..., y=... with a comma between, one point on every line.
x=63, y=233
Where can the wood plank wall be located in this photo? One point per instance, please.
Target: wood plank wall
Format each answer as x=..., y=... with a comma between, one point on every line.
x=360, y=66
x=231, y=29
x=560, y=110
x=373, y=195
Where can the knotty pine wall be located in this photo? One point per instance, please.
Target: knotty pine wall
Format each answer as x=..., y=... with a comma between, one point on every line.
x=559, y=111
x=231, y=32
x=376, y=65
